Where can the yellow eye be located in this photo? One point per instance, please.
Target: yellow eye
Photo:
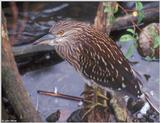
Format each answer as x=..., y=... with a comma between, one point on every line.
x=60, y=32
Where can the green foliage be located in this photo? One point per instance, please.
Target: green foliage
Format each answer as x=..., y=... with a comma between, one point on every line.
x=155, y=36
x=111, y=10
x=139, y=8
x=148, y=58
x=108, y=9
x=156, y=42
x=115, y=9
x=130, y=37
x=111, y=19
x=130, y=51
x=126, y=38
x=131, y=31
x=133, y=36
x=152, y=30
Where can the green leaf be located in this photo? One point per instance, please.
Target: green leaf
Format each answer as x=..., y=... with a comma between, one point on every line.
x=140, y=16
x=152, y=30
x=111, y=19
x=156, y=42
x=148, y=58
x=131, y=31
x=130, y=51
x=116, y=8
x=139, y=5
x=107, y=9
x=126, y=38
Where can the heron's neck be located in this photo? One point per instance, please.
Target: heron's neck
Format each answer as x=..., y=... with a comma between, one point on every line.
x=70, y=53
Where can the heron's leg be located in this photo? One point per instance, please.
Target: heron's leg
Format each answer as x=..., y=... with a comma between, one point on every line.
x=96, y=99
x=94, y=90
x=91, y=107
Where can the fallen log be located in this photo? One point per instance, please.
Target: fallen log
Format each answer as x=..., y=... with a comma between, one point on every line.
x=30, y=49
x=126, y=21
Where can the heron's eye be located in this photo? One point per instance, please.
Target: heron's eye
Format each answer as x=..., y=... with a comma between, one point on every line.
x=60, y=32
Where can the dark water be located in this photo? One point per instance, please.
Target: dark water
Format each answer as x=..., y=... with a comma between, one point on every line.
x=61, y=76
x=33, y=22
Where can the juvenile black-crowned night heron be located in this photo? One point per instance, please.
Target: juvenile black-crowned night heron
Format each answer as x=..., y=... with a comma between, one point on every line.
x=94, y=55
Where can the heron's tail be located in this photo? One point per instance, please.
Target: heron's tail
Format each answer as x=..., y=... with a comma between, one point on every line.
x=147, y=97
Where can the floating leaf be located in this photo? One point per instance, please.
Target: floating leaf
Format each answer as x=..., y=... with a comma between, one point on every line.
x=156, y=42
x=126, y=38
x=130, y=51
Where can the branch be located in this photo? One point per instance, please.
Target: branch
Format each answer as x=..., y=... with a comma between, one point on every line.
x=12, y=83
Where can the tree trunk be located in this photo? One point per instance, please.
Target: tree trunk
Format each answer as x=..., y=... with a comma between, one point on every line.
x=12, y=83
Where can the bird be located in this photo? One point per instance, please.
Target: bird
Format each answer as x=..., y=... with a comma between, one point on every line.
x=94, y=55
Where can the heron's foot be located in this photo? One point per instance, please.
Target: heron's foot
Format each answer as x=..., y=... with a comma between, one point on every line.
x=95, y=99
x=91, y=107
x=99, y=94
x=88, y=93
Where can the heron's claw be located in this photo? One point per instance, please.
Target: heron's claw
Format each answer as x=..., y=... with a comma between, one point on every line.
x=91, y=107
x=91, y=104
x=87, y=92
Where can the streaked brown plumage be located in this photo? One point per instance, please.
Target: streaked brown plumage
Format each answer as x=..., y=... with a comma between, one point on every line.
x=94, y=55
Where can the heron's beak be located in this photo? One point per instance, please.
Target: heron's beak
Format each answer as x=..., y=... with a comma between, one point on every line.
x=45, y=40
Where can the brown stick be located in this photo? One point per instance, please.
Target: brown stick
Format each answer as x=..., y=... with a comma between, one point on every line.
x=59, y=95
x=12, y=83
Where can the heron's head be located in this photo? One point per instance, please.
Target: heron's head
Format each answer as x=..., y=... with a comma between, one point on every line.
x=61, y=32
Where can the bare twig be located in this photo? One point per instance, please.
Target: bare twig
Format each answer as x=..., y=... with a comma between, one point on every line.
x=60, y=95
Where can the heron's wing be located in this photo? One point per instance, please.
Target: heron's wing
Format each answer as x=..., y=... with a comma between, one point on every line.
x=103, y=62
